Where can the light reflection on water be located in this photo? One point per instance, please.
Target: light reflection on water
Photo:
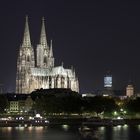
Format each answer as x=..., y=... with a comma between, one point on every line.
x=139, y=127
x=67, y=132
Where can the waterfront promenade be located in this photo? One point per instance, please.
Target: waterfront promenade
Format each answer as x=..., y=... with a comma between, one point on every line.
x=69, y=121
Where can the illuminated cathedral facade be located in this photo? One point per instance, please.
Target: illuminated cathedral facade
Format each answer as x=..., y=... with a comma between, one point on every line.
x=35, y=68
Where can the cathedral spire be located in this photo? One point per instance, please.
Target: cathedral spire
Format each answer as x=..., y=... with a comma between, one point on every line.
x=43, y=38
x=74, y=74
x=26, y=37
x=51, y=51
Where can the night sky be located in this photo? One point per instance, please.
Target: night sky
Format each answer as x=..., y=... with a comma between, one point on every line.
x=93, y=36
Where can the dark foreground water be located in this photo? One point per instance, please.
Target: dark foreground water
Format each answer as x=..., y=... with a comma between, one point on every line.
x=66, y=132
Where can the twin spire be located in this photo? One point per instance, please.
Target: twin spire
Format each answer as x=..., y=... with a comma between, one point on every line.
x=51, y=51
x=43, y=38
x=26, y=37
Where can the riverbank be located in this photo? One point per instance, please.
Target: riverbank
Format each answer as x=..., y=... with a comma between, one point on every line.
x=76, y=121
x=24, y=123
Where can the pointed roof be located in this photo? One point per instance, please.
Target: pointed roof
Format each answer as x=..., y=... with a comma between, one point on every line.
x=51, y=51
x=71, y=68
x=43, y=38
x=74, y=74
x=26, y=37
x=62, y=64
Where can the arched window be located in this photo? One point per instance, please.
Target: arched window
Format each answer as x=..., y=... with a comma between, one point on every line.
x=45, y=59
x=28, y=58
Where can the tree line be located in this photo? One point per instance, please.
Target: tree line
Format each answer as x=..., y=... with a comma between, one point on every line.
x=68, y=102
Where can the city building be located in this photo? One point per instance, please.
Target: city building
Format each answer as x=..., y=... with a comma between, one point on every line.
x=108, y=90
x=129, y=90
x=108, y=81
x=14, y=106
x=37, y=70
x=19, y=104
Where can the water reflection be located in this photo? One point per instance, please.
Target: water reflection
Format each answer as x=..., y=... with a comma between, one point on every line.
x=139, y=127
x=65, y=127
x=70, y=132
x=88, y=133
x=39, y=128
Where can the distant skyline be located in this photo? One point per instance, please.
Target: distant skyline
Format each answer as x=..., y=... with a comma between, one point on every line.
x=93, y=36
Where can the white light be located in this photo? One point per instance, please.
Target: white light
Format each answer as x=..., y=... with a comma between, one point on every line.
x=9, y=128
x=38, y=115
x=30, y=128
x=139, y=127
x=21, y=118
x=25, y=125
x=102, y=128
x=119, y=118
x=105, y=95
x=65, y=127
x=46, y=121
x=119, y=126
x=9, y=118
x=4, y=119
x=21, y=128
x=31, y=118
x=125, y=126
x=115, y=112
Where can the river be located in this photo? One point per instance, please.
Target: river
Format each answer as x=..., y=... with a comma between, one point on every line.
x=73, y=132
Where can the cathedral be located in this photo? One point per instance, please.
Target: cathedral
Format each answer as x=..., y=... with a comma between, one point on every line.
x=35, y=68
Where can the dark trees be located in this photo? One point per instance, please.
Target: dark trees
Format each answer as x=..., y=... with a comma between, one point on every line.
x=3, y=103
x=133, y=105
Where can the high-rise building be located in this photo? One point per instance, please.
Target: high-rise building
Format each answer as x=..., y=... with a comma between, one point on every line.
x=107, y=91
x=38, y=71
x=108, y=80
x=129, y=90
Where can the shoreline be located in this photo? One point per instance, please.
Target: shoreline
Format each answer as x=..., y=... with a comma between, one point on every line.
x=102, y=122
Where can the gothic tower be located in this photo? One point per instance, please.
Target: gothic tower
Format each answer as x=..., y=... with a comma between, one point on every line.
x=25, y=62
x=42, y=74
x=44, y=53
x=51, y=58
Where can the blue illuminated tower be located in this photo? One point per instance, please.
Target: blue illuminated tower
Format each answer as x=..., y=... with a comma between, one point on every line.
x=108, y=80
x=108, y=84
